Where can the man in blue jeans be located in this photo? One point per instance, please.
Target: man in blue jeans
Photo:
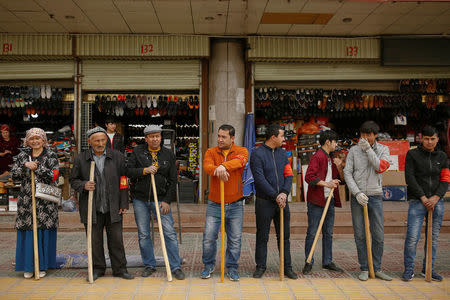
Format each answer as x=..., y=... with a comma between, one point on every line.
x=226, y=163
x=322, y=175
x=146, y=159
x=364, y=164
x=427, y=176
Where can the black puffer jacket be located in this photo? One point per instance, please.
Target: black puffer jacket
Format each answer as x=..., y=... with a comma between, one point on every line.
x=426, y=173
x=165, y=177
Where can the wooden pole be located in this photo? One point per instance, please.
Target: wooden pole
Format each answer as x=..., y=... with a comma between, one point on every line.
x=89, y=226
x=368, y=242
x=161, y=233
x=35, y=233
x=282, y=243
x=428, y=264
x=319, y=228
x=222, y=231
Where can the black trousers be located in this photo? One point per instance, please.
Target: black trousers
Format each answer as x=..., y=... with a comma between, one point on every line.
x=115, y=245
x=266, y=211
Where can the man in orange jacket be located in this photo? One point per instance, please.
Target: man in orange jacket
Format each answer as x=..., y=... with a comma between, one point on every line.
x=225, y=162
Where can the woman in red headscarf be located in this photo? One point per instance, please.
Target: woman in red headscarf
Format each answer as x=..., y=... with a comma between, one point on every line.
x=8, y=149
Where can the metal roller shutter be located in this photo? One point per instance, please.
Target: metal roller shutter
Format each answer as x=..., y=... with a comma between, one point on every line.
x=36, y=70
x=265, y=71
x=141, y=75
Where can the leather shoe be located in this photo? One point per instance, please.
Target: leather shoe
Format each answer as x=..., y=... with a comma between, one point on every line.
x=307, y=269
x=290, y=274
x=178, y=274
x=148, y=271
x=258, y=272
x=95, y=276
x=125, y=275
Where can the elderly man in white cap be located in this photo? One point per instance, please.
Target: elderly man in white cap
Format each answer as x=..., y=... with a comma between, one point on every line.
x=110, y=200
x=146, y=159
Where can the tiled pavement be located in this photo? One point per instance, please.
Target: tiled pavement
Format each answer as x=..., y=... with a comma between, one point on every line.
x=71, y=284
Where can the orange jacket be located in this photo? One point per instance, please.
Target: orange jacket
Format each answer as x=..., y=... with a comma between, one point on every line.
x=234, y=163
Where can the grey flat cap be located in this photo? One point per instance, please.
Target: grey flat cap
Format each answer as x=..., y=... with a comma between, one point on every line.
x=152, y=129
x=95, y=130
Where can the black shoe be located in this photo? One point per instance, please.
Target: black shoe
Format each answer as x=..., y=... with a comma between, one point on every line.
x=258, y=272
x=148, y=271
x=125, y=275
x=96, y=275
x=290, y=274
x=332, y=266
x=307, y=269
x=178, y=273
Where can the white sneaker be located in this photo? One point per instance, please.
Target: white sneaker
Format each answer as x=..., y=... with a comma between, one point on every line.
x=27, y=275
x=42, y=274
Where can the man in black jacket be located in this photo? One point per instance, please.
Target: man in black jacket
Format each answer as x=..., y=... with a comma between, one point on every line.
x=146, y=159
x=115, y=139
x=427, y=176
x=110, y=200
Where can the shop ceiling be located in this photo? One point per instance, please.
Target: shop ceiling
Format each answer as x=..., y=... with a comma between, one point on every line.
x=227, y=17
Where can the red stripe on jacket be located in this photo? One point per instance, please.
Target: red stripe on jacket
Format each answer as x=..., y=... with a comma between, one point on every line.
x=55, y=175
x=445, y=175
x=384, y=165
x=288, y=171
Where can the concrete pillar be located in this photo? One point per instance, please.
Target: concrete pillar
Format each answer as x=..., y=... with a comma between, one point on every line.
x=226, y=88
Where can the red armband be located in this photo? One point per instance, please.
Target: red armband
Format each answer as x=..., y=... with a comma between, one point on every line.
x=123, y=182
x=55, y=175
x=384, y=165
x=445, y=175
x=288, y=170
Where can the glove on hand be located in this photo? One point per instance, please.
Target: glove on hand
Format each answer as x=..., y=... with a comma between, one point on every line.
x=364, y=144
x=362, y=199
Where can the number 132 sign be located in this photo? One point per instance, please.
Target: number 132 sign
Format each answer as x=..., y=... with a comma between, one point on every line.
x=146, y=48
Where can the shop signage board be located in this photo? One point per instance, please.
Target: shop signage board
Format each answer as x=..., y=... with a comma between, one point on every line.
x=99, y=45
x=36, y=45
x=314, y=48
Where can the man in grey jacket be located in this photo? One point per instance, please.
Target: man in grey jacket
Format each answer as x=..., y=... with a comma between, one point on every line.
x=364, y=165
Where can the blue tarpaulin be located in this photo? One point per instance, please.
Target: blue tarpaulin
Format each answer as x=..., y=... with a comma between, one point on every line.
x=249, y=143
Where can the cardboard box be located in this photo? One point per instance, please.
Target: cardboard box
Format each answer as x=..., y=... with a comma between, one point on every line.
x=394, y=178
x=12, y=204
x=394, y=193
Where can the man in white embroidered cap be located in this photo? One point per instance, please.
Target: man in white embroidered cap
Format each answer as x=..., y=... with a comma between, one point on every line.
x=110, y=200
x=146, y=159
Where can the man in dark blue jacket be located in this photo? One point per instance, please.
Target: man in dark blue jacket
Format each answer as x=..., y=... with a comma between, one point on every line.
x=427, y=176
x=273, y=179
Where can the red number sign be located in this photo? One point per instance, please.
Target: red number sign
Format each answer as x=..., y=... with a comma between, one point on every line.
x=146, y=48
x=352, y=50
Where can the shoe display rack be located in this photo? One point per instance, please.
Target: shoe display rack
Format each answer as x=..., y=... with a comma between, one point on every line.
x=172, y=110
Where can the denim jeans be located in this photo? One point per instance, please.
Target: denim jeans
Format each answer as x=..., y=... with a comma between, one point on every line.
x=234, y=213
x=142, y=212
x=417, y=212
x=266, y=211
x=314, y=216
x=376, y=220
